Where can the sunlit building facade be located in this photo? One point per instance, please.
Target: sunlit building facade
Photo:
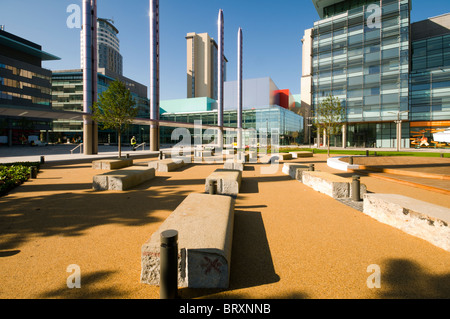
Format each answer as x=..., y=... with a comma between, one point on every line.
x=369, y=55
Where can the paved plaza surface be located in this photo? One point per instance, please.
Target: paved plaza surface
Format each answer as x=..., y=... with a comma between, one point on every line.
x=289, y=240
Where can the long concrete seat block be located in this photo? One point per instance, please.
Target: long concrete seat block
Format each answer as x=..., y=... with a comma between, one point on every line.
x=330, y=184
x=415, y=217
x=274, y=158
x=110, y=164
x=234, y=165
x=284, y=156
x=166, y=165
x=203, y=153
x=242, y=157
x=229, y=151
x=301, y=154
x=228, y=181
x=123, y=179
x=205, y=234
x=291, y=169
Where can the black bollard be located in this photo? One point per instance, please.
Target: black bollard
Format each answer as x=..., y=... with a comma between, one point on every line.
x=160, y=155
x=350, y=160
x=311, y=168
x=212, y=187
x=128, y=155
x=356, y=184
x=33, y=170
x=42, y=160
x=169, y=265
x=367, y=153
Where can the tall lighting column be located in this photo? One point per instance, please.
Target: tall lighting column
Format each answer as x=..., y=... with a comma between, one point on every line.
x=239, y=90
x=220, y=80
x=154, y=74
x=90, y=130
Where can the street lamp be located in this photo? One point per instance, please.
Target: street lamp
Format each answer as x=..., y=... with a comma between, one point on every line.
x=309, y=129
x=399, y=127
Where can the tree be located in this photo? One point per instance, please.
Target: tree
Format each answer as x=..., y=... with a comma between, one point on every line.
x=329, y=116
x=115, y=109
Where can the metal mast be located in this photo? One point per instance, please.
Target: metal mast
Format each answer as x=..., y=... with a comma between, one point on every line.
x=220, y=80
x=154, y=74
x=239, y=89
x=90, y=134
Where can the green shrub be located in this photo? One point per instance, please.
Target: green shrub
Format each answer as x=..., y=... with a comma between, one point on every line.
x=13, y=175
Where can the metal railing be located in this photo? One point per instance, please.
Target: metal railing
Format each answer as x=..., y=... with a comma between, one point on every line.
x=79, y=146
x=143, y=146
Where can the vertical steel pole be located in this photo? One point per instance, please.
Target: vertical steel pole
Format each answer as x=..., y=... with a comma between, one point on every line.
x=169, y=265
x=239, y=90
x=87, y=75
x=154, y=74
x=94, y=73
x=220, y=75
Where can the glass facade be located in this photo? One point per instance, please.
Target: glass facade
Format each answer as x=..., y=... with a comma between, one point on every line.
x=289, y=124
x=21, y=86
x=23, y=83
x=67, y=95
x=364, y=62
x=430, y=89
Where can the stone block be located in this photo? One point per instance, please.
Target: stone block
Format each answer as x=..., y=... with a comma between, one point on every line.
x=205, y=234
x=228, y=181
x=330, y=184
x=110, y=164
x=421, y=219
x=234, y=165
x=166, y=165
x=301, y=154
x=292, y=169
x=123, y=179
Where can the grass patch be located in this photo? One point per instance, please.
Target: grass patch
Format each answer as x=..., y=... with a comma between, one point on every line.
x=14, y=174
x=371, y=153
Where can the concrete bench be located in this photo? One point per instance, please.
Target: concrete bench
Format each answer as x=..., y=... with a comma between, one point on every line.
x=415, y=217
x=231, y=151
x=293, y=169
x=166, y=165
x=273, y=158
x=200, y=153
x=301, y=154
x=234, y=165
x=205, y=234
x=330, y=184
x=110, y=164
x=228, y=181
x=123, y=179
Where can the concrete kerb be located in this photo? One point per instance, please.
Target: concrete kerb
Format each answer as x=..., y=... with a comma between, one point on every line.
x=417, y=218
x=336, y=163
x=205, y=226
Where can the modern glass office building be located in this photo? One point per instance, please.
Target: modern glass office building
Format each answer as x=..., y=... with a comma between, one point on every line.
x=24, y=85
x=364, y=52
x=67, y=95
x=263, y=110
x=430, y=78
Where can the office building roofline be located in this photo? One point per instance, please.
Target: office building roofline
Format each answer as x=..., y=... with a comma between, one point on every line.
x=25, y=46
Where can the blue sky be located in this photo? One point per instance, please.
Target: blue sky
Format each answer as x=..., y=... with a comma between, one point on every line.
x=272, y=33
